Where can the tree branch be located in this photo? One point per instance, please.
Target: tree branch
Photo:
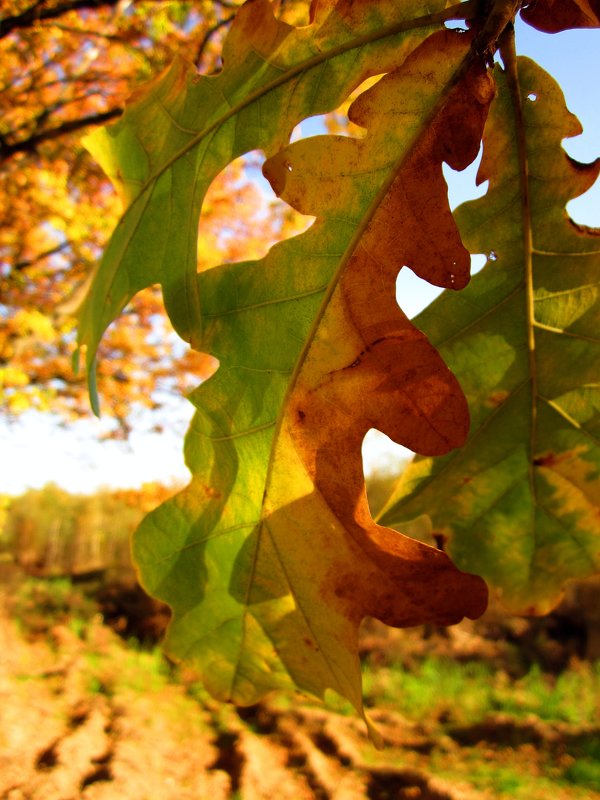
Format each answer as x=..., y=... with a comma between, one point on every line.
x=29, y=145
x=36, y=13
x=21, y=265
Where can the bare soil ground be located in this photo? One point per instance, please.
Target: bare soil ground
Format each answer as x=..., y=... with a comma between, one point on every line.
x=84, y=715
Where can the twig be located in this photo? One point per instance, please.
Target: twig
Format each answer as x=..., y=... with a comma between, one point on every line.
x=30, y=145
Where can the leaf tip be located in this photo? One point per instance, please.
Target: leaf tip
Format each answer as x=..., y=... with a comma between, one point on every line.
x=275, y=170
x=373, y=732
x=93, y=386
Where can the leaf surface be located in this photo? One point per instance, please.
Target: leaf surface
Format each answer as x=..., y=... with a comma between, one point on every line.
x=181, y=130
x=552, y=16
x=270, y=558
x=520, y=501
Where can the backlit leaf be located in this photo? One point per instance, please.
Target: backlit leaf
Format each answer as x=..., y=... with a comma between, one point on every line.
x=552, y=16
x=270, y=558
x=520, y=502
x=181, y=130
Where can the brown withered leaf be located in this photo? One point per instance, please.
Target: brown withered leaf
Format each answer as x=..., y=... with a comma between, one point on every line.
x=552, y=16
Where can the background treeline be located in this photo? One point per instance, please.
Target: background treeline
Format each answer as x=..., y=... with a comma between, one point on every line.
x=50, y=532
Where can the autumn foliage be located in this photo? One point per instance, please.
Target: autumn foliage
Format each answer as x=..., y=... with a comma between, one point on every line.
x=49, y=532
x=270, y=558
x=66, y=67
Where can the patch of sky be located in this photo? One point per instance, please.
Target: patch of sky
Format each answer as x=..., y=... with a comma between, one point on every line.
x=253, y=162
x=570, y=57
x=43, y=449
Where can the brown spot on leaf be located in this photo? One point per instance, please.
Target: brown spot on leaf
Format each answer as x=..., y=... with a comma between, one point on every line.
x=495, y=399
x=552, y=459
x=211, y=492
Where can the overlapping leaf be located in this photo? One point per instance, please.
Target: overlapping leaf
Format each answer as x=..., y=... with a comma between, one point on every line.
x=181, y=130
x=552, y=16
x=521, y=501
x=270, y=558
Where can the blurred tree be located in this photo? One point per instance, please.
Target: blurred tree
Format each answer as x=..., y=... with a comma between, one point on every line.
x=51, y=532
x=66, y=65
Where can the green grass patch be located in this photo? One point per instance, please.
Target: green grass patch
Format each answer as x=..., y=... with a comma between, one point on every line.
x=573, y=696
x=437, y=688
x=38, y=604
x=583, y=772
x=442, y=689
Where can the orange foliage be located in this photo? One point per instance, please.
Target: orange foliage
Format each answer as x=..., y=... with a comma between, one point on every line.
x=66, y=65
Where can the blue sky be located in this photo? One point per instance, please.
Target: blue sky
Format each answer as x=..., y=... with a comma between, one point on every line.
x=35, y=450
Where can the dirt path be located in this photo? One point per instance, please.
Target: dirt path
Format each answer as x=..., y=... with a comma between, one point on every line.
x=62, y=736
x=82, y=716
x=72, y=728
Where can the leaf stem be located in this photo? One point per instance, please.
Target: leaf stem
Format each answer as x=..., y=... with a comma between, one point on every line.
x=498, y=17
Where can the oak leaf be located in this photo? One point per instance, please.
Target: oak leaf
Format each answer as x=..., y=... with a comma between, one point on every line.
x=519, y=502
x=552, y=16
x=180, y=130
x=270, y=558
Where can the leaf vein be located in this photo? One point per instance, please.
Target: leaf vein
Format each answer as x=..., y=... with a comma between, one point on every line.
x=264, y=303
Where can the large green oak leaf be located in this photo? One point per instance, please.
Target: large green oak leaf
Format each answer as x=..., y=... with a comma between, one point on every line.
x=520, y=502
x=180, y=130
x=270, y=558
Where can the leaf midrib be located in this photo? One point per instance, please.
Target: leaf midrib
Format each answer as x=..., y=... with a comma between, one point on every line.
x=509, y=57
x=349, y=251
